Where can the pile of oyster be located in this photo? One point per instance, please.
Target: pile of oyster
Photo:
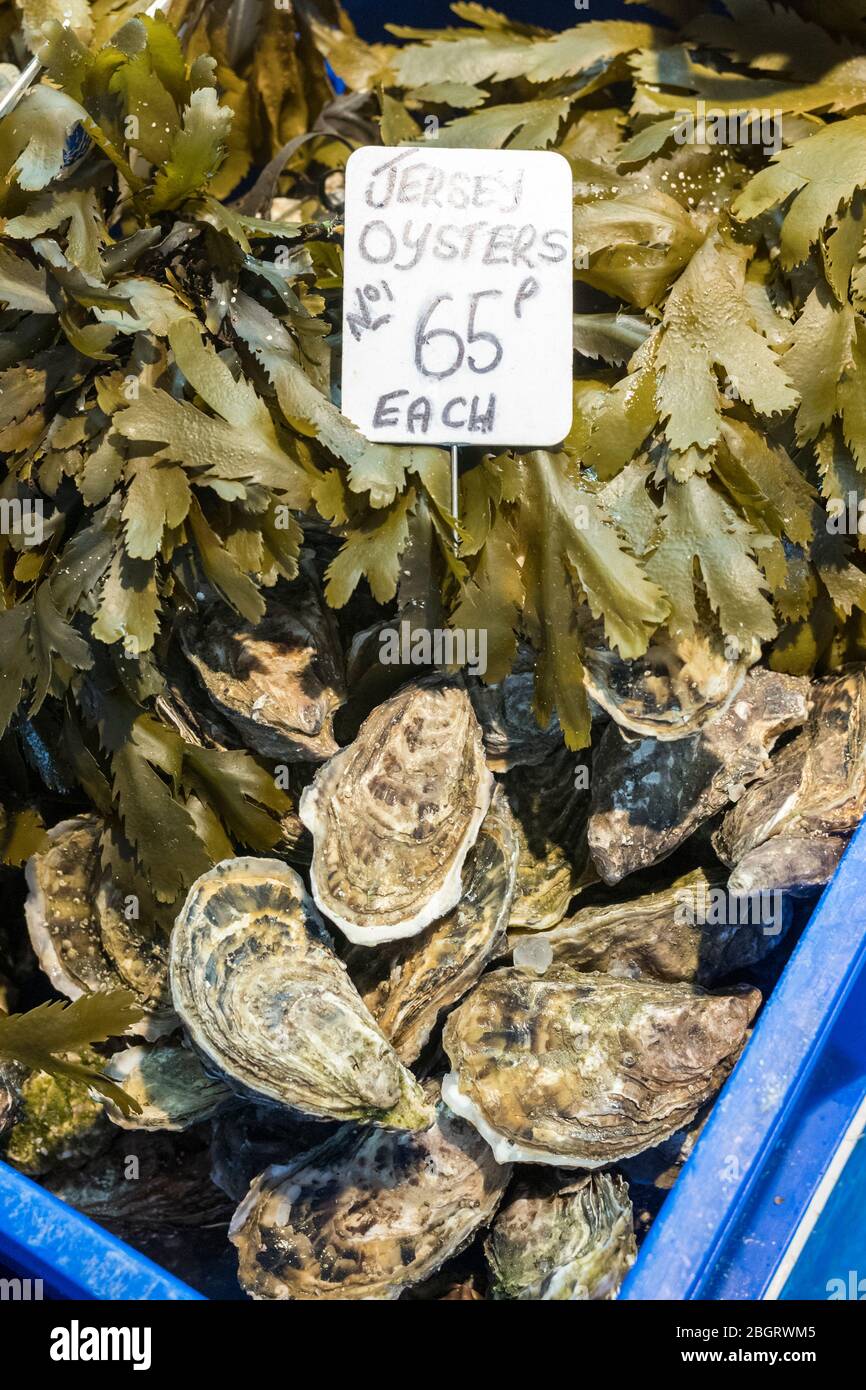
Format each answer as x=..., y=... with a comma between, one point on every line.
x=457, y=1040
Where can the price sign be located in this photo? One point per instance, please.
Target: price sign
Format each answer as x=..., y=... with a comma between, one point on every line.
x=457, y=317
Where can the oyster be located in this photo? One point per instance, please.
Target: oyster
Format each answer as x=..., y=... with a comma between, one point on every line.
x=367, y=1214
x=562, y=1237
x=788, y=864
x=550, y=803
x=815, y=791
x=79, y=930
x=145, y=1181
x=169, y=1083
x=394, y=815
x=11, y=1076
x=246, y=1139
x=406, y=986
x=512, y=734
x=648, y=795
x=694, y=931
x=273, y=1010
x=59, y=1123
x=580, y=1070
x=674, y=689
x=279, y=681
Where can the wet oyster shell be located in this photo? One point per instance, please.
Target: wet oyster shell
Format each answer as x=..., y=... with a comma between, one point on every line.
x=59, y=1122
x=145, y=1181
x=580, y=1070
x=788, y=864
x=367, y=1214
x=674, y=689
x=169, y=1083
x=648, y=795
x=562, y=1237
x=273, y=1010
x=394, y=815
x=278, y=681
x=11, y=1076
x=78, y=929
x=816, y=788
x=693, y=931
x=550, y=812
x=512, y=734
x=407, y=986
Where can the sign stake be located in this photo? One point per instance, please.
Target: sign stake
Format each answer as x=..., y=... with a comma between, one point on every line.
x=455, y=495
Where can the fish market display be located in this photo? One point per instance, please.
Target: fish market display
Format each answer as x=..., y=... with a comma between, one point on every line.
x=272, y=1009
x=394, y=815
x=563, y=1238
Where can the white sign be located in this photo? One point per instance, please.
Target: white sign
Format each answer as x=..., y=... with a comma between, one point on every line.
x=457, y=309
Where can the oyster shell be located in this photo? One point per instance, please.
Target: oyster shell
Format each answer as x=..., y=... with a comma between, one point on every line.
x=648, y=795
x=562, y=1237
x=670, y=692
x=788, y=864
x=580, y=1070
x=407, y=986
x=367, y=1214
x=693, y=931
x=11, y=1076
x=816, y=790
x=512, y=734
x=273, y=1010
x=279, y=681
x=59, y=1123
x=550, y=804
x=84, y=941
x=394, y=815
x=145, y=1181
x=169, y=1083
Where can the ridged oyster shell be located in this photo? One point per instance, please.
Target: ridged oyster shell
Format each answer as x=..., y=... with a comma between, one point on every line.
x=814, y=794
x=512, y=735
x=692, y=931
x=550, y=805
x=394, y=815
x=562, y=1237
x=83, y=940
x=169, y=1083
x=407, y=986
x=674, y=689
x=580, y=1070
x=271, y=1007
x=649, y=795
x=247, y=1138
x=10, y=1095
x=279, y=681
x=367, y=1214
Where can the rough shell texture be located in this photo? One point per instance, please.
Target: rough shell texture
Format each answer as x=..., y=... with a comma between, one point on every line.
x=80, y=933
x=394, y=815
x=367, y=1214
x=671, y=691
x=692, y=931
x=271, y=1007
x=580, y=1070
x=279, y=681
x=60, y=1122
x=648, y=795
x=550, y=803
x=10, y=1096
x=816, y=788
x=788, y=864
x=562, y=1237
x=169, y=1083
x=406, y=986
x=512, y=734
